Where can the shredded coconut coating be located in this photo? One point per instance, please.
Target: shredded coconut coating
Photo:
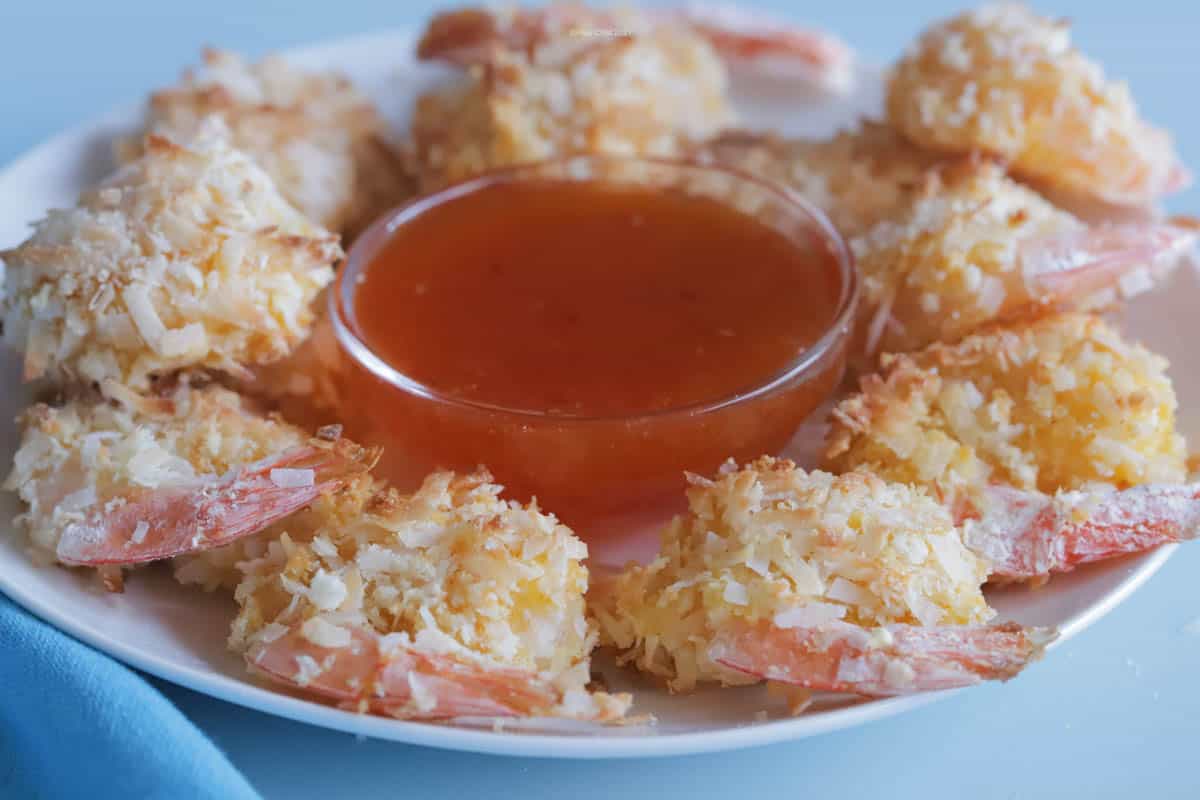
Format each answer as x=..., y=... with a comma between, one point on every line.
x=185, y=258
x=1060, y=403
x=644, y=93
x=321, y=140
x=772, y=542
x=857, y=178
x=92, y=453
x=1004, y=81
x=952, y=260
x=453, y=567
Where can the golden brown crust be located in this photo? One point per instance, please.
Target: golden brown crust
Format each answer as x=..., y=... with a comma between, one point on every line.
x=322, y=142
x=1057, y=403
x=187, y=257
x=561, y=93
x=452, y=566
x=1004, y=81
x=93, y=451
x=952, y=259
x=858, y=178
x=770, y=539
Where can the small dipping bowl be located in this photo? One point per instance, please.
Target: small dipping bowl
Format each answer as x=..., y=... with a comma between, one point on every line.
x=596, y=472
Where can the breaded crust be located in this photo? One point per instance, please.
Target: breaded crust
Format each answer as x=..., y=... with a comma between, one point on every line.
x=951, y=260
x=453, y=567
x=93, y=453
x=187, y=257
x=1007, y=82
x=857, y=178
x=641, y=93
x=1054, y=404
x=772, y=542
x=320, y=139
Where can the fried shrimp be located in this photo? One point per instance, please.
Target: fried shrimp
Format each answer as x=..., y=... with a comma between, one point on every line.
x=974, y=247
x=745, y=39
x=321, y=141
x=839, y=583
x=858, y=178
x=638, y=94
x=1004, y=81
x=567, y=79
x=450, y=602
x=187, y=257
x=1061, y=403
x=121, y=483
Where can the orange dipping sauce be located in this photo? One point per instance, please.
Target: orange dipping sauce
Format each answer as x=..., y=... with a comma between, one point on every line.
x=589, y=340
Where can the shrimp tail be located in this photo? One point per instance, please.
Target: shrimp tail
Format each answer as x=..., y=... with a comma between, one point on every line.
x=472, y=35
x=891, y=660
x=390, y=675
x=161, y=523
x=769, y=47
x=1027, y=534
x=1130, y=257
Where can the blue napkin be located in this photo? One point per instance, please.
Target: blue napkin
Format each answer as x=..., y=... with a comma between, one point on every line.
x=75, y=723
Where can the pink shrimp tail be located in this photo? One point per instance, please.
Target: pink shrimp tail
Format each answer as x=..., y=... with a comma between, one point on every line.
x=162, y=523
x=891, y=660
x=1026, y=534
x=1129, y=257
x=770, y=46
x=469, y=36
x=472, y=35
x=384, y=675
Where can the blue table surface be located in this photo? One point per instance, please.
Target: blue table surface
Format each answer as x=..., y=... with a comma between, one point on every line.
x=1114, y=713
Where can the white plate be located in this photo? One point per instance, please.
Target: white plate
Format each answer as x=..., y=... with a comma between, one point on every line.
x=179, y=634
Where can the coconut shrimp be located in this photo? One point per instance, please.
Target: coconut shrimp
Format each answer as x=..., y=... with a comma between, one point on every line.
x=450, y=602
x=186, y=258
x=973, y=247
x=567, y=79
x=1004, y=81
x=118, y=483
x=837, y=583
x=1059, y=404
x=858, y=178
x=744, y=39
x=321, y=141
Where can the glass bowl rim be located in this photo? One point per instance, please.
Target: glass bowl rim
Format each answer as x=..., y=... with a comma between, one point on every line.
x=368, y=243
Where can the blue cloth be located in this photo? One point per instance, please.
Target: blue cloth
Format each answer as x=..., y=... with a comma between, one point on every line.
x=71, y=717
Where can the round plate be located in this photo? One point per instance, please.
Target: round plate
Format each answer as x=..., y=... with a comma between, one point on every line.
x=179, y=634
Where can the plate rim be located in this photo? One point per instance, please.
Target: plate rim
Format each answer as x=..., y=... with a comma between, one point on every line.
x=250, y=695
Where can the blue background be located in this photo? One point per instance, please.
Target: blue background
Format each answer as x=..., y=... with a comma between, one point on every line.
x=1114, y=713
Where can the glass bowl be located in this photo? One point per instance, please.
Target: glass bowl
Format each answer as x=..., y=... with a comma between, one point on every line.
x=591, y=470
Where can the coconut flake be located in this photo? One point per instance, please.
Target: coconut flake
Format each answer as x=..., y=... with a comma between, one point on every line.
x=809, y=615
x=139, y=532
x=141, y=308
x=759, y=565
x=324, y=634
x=326, y=591
x=293, y=478
x=844, y=591
x=736, y=593
x=307, y=668
x=898, y=674
x=271, y=632
x=78, y=500
x=423, y=694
